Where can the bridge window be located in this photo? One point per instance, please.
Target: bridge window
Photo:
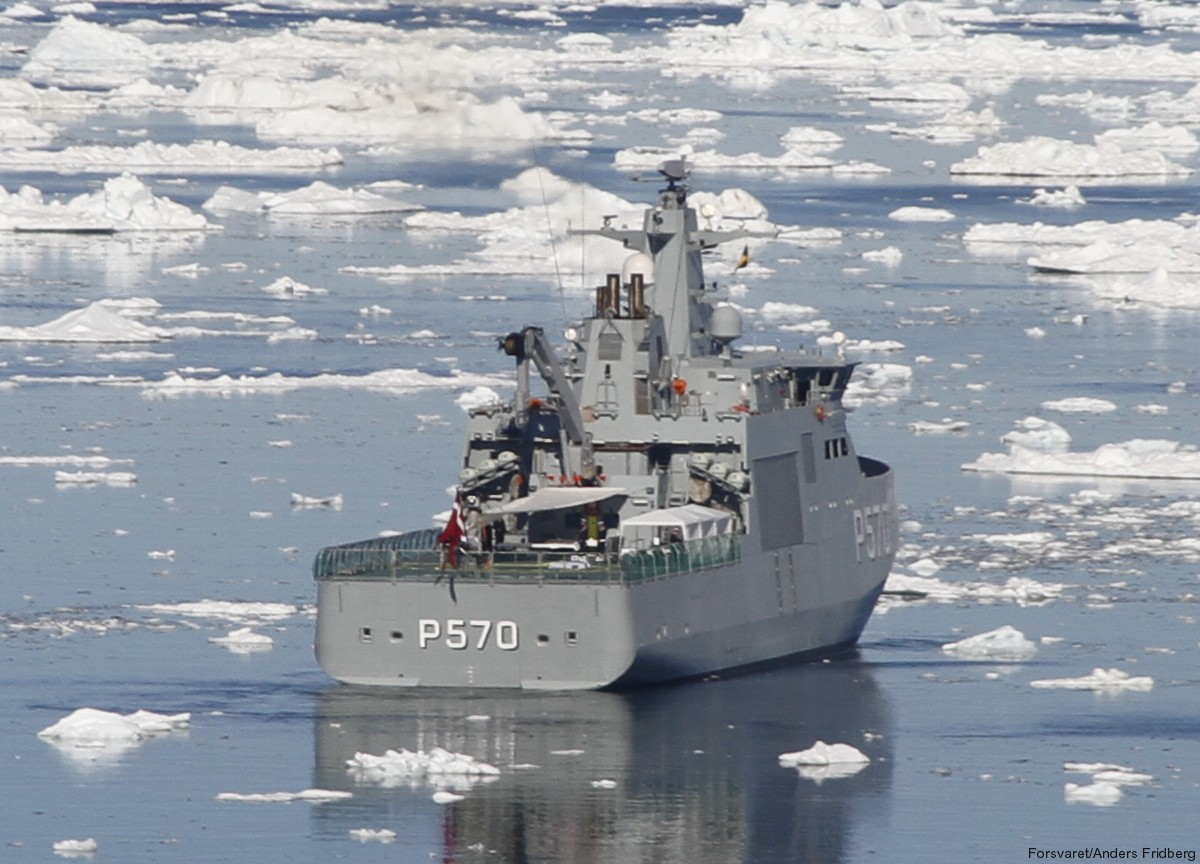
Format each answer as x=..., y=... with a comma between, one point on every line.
x=837, y=447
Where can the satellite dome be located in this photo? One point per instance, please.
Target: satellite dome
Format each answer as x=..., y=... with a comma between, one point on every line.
x=638, y=262
x=726, y=324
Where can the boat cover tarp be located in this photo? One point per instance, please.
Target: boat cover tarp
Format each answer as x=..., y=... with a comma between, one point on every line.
x=693, y=521
x=559, y=498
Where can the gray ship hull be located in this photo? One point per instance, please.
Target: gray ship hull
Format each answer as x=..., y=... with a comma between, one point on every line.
x=594, y=628
x=669, y=507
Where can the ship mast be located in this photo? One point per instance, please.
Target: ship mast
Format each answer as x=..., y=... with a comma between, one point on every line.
x=671, y=237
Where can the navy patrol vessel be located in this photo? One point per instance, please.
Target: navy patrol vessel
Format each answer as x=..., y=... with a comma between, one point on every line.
x=663, y=506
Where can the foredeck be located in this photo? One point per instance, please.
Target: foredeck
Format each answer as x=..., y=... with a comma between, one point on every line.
x=415, y=557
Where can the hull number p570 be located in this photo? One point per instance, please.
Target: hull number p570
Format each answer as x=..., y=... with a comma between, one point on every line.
x=461, y=634
x=872, y=536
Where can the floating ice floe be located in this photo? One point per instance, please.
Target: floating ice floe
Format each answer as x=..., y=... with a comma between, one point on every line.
x=225, y=610
x=124, y=204
x=89, y=736
x=1107, y=786
x=148, y=157
x=79, y=53
x=306, y=502
x=1067, y=198
x=287, y=288
x=921, y=214
x=378, y=835
x=317, y=199
x=1101, y=680
x=95, y=461
x=878, y=383
x=91, y=727
x=96, y=322
x=1040, y=448
x=795, y=158
x=478, y=397
x=1041, y=156
x=1161, y=254
x=889, y=256
x=244, y=641
x=953, y=127
x=120, y=479
x=1080, y=405
x=1099, y=794
x=939, y=94
x=76, y=848
x=1006, y=644
x=864, y=346
x=826, y=761
x=394, y=110
x=1176, y=140
x=1137, y=238
x=932, y=427
x=902, y=588
x=438, y=767
x=384, y=380
x=1109, y=772
x=314, y=796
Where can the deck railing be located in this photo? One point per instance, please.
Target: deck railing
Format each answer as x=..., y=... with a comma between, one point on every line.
x=415, y=556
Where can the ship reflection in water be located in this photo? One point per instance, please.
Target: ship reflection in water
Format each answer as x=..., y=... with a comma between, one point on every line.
x=687, y=773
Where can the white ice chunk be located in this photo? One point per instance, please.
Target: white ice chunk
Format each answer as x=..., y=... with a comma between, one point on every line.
x=315, y=796
x=902, y=588
x=287, y=288
x=1042, y=451
x=244, y=640
x=79, y=53
x=76, y=848
x=1178, y=140
x=823, y=761
x=1041, y=156
x=478, y=397
x=149, y=157
x=379, y=835
x=120, y=479
x=1005, y=643
x=93, y=323
x=921, y=214
x=1080, y=405
x=824, y=754
x=1096, y=794
x=437, y=767
x=384, y=380
x=225, y=610
x=879, y=383
x=1058, y=198
x=317, y=199
x=931, y=427
x=89, y=734
x=1101, y=680
x=306, y=502
x=889, y=256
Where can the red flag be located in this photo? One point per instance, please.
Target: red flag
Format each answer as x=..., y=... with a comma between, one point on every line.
x=452, y=534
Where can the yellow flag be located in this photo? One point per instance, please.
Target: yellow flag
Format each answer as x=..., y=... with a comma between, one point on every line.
x=743, y=259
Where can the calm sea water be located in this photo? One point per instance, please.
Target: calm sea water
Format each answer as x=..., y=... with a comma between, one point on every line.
x=967, y=759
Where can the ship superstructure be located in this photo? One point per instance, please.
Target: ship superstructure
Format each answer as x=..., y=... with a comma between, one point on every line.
x=661, y=506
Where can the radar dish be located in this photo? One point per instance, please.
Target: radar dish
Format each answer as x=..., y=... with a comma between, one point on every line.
x=674, y=170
